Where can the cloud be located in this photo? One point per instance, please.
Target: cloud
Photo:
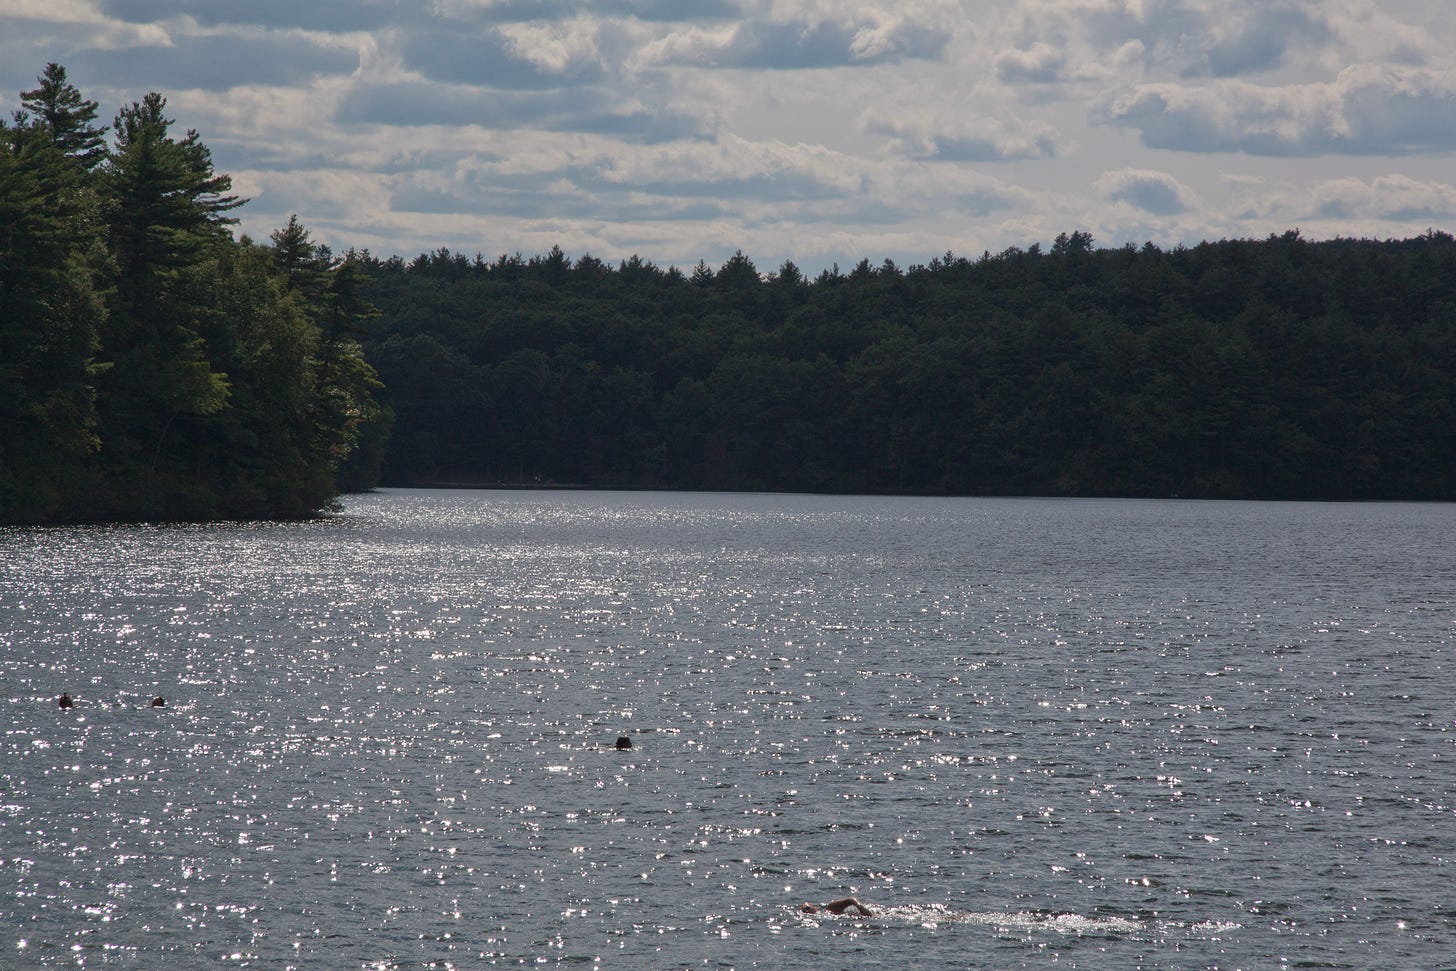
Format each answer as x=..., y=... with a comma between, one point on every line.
x=835, y=36
x=417, y=103
x=735, y=167
x=567, y=194
x=289, y=124
x=525, y=57
x=673, y=128
x=74, y=38
x=1040, y=64
x=1257, y=37
x=768, y=181
x=679, y=202
x=1162, y=29
x=959, y=138
x=1205, y=37
x=372, y=15
x=568, y=48
x=525, y=11
x=1211, y=38
x=1157, y=193
x=1395, y=198
x=1367, y=110
x=217, y=61
x=317, y=193
x=320, y=15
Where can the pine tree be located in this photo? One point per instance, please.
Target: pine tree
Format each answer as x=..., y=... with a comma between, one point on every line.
x=166, y=219
x=50, y=310
x=67, y=117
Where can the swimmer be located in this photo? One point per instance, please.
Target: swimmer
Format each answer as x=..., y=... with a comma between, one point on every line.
x=159, y=702
x=838, y=907
x=623, y=742
x=64, y=701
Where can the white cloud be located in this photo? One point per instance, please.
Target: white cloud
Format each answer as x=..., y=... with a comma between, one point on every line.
x=1392, y=197
x=263, y=116
x=565, y=48
x=1385, y=199
x=952, y=136
x=803, y=129
x=1367, y=110
x=1038, y=64
x=732, y=163
x=54, y=11
x=1252, y=38
x=1189, y=38
x=1157, y=193
x=807, y=36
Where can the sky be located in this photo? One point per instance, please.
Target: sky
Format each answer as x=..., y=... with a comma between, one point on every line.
x=817, y=131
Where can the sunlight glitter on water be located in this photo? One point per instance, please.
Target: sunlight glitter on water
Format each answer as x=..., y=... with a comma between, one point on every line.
x=389, y=735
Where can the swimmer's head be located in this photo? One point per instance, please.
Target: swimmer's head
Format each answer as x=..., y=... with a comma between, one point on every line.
x=623, y=742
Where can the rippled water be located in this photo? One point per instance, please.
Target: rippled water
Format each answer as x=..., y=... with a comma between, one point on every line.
x=1028, y=733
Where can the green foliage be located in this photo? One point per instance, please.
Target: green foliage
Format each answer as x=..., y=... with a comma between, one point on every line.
x=52, y=272
x=152, y=366
x=66, y=117
x=1277, y=368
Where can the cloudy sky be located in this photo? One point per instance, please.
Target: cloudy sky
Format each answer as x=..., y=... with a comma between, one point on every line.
x=814, y=130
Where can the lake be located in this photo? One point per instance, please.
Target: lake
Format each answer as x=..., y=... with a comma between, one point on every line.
x=1027, y=733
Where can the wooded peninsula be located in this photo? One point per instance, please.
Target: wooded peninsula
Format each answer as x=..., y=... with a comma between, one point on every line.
x=152, y=366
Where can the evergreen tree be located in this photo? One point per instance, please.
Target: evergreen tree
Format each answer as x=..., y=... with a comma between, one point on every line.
x=68, y=118
x=151, y=365
x=344, y=410
x=304, y=267
x=166, y=221
x=51, y=279
x=1276, y=368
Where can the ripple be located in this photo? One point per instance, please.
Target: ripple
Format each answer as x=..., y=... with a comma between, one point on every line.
x=1096, y=733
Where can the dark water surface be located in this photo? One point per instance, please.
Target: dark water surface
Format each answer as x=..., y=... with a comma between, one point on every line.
x=1032, y=734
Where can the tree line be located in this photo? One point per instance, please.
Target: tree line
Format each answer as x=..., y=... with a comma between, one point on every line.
x=152, y=366
x=1278, y=368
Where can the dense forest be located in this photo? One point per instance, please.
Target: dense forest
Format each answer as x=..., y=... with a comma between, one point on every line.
x=152, y=366
x=1277, y=368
